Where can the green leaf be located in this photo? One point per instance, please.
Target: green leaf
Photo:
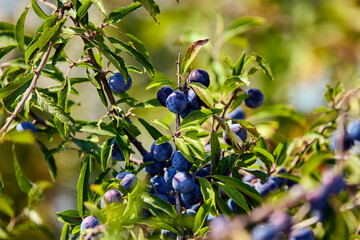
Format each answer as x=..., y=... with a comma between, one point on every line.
x=160, y=82
x=6, y=206
x=192, y=127
x=215, y=151
x=19, y=30
x=14, y=85
x=239, y=65
x=162, y=124
x=264, y=65
x=49, y=159
x=242, y=25
x=155, y=134
x=164, y=139
x=248, y=126
x=259, y=174
x=151, y=6
x=37, y=191
x=120, y=13
x=241, y=186
x=100, y=6
x=47, y=104
x=160, y=204
x=5, y=50
x=83, y=9
x=124, y=144
x=65, y=233
x=183, y=148
x=280, y=153
x=106, y=153
x=195, y=146
x=238, y=100
x=70, y=216
x=38, y=10
x=83, y=186
x=199, y=115
x=24, y=184
x=234, y=195
x=262, y=152
x=203, y=93
x=191, y=54
x=201, y=215
x=24, y=137
x=134, y=53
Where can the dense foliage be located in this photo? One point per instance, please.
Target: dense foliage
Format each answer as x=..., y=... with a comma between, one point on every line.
x=212, y=171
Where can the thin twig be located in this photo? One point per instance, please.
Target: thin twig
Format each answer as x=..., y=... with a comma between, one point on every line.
x=28, y=91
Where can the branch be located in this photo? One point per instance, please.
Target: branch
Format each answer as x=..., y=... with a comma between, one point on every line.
x=28, y=91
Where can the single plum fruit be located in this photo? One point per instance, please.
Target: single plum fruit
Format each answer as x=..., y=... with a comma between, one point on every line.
x=117, y=83
x=23, y=126
x=256, y=98
x=176, y=102
x=163, y=94
x=161, y=152
x=200, y=76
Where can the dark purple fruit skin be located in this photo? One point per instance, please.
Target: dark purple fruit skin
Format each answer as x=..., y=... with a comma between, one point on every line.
x=116, y=153
x=302, y=234
x=117, y=83
x=155, y=167
x=163, y=197
x=111, y=196
x=200, y=76
x=23, y=126
x=129, y=179
x=263, y=232
x=161, y=152
x=189, y=109
x=169, y=174
x=237, y=113
x=89, y=222
x=176, y=102
x=160, y=185
x=180, y=163
x=238, y=130
x=183, y=182
x=163, y=94
x=193, y=197
x=266, y=188
x=232, y=205
x=348, y=141
x=256, y=98
x=194, y=99
x=354, y=130
x=203, y=172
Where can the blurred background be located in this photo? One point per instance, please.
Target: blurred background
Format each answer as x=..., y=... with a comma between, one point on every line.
x=307, y=44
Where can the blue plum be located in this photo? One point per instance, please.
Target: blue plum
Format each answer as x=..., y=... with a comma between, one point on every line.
x=117, y=83
x=111, y=196
x=189, y=109
x=193, y=197
x=264, y=232
x=176, y=102
x=89, y=222
x=301, y=234
x=169, y=174
x=238, y=130
x=333, y=184
x=163, y=94
x=256, y=98
x=183, y=182
x=347, y=141
x=180, y=163
x=23, y=126
x=200, y=76
x=129, y=180
x=194, y=99
x=203, y=172
x=266, y=188
x=116, y=153
x=354, y=130
x=161, y=152
x=163, y=197
x=160, y=185
x=232, y=205
x=237, y=113
x=155, y=167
